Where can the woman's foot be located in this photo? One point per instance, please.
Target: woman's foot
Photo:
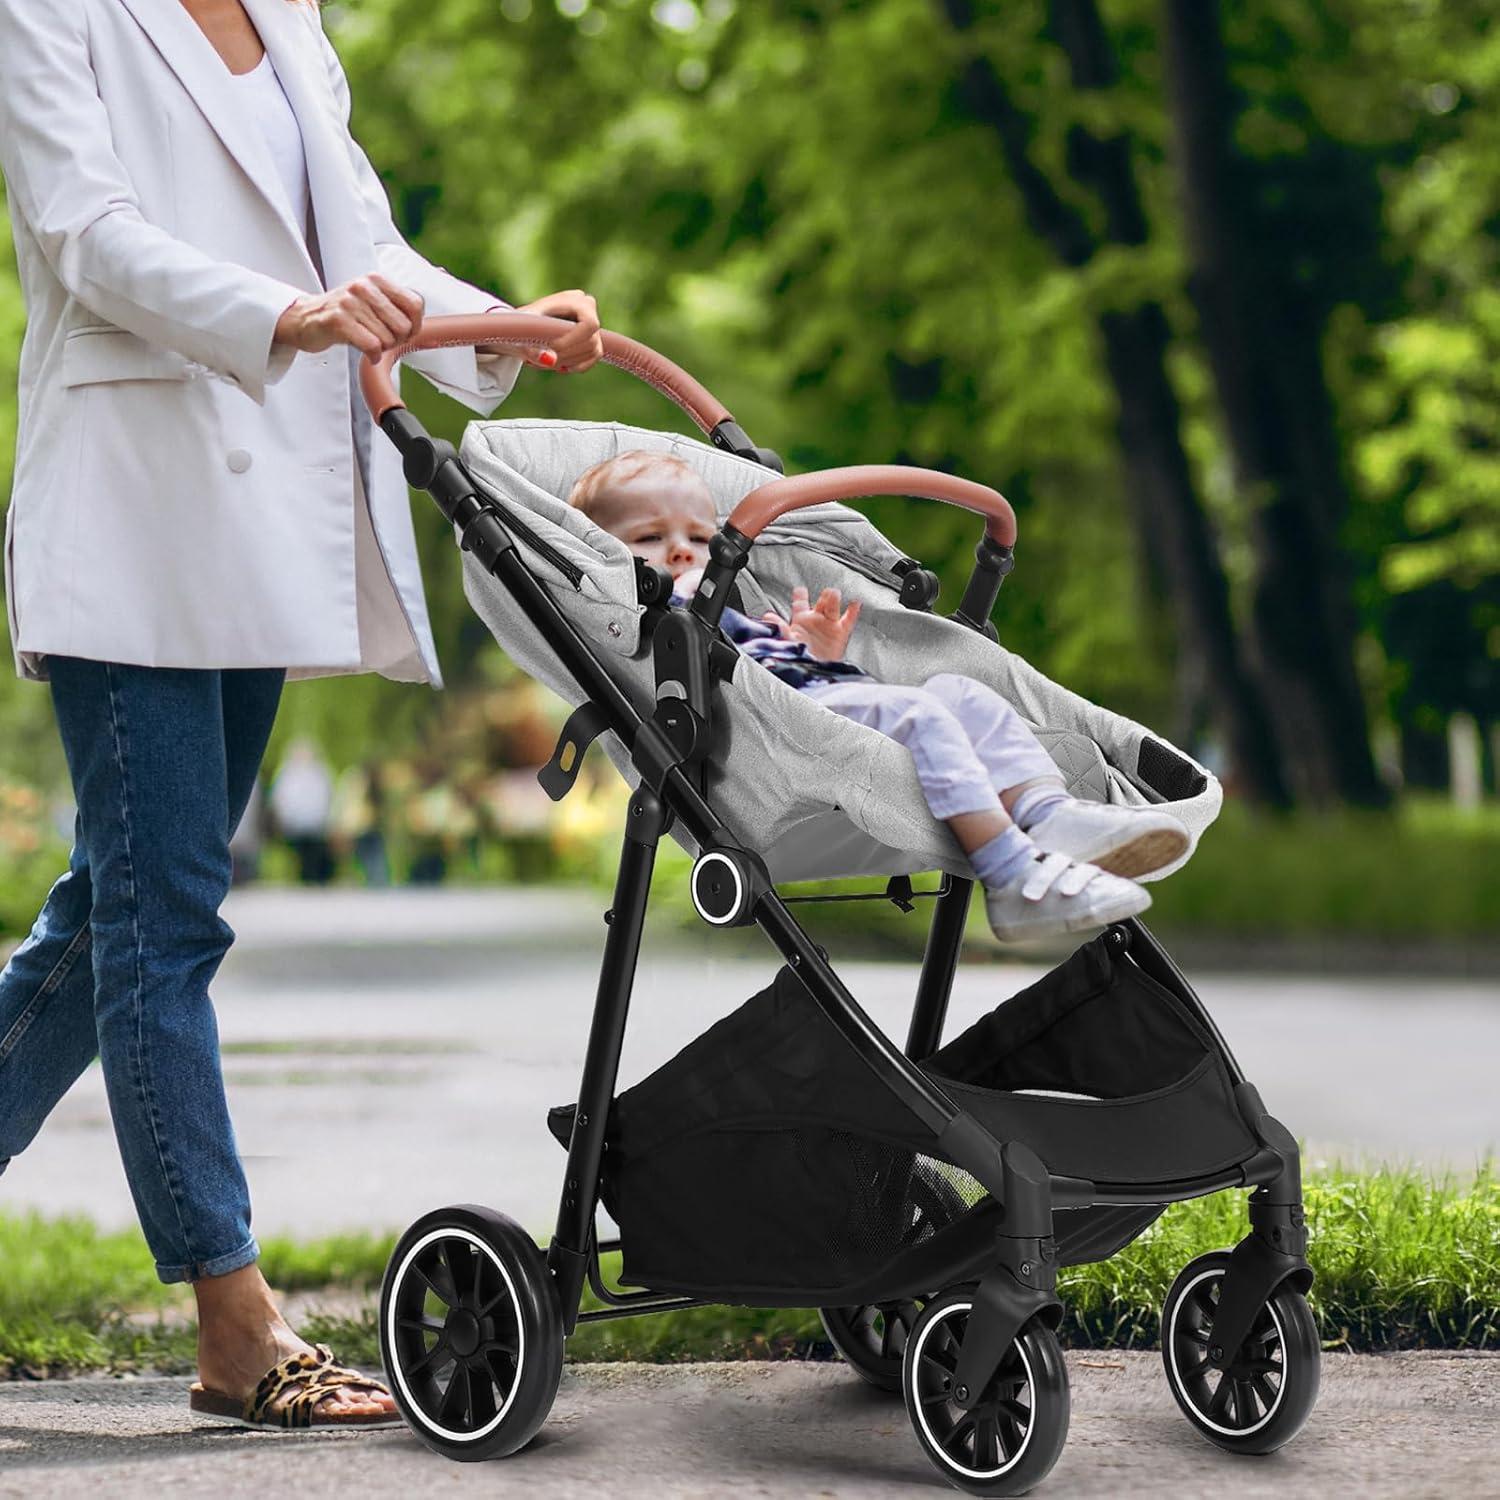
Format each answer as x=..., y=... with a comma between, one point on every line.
x=242, y=1336
x=1055, y=895
x=1130, y=841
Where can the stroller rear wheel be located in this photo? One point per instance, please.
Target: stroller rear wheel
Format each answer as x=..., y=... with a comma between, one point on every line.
x=873, y=1338
x=1260, y=1400
x=470, y=1333
x=1007, y=1442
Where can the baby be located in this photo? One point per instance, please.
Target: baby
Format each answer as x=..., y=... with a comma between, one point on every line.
x=1048, y=862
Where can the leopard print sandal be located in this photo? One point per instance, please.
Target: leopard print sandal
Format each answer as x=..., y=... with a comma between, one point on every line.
x=317, y=1376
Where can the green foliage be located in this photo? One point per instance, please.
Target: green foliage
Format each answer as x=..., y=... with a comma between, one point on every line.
x=1403, y=1260
x=24, y=883
x=793, y=201
x=31, y=857
x=1424, y=874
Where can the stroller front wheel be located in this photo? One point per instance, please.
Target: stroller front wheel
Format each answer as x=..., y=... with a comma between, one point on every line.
x=1261, y=1399
x=1007, y=1442
x=470, y=1333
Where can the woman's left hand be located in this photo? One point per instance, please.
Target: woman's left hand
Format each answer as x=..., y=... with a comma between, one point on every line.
x=824, y=628
x=576, y=351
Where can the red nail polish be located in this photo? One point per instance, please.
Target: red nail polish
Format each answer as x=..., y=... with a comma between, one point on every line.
x=548, y=358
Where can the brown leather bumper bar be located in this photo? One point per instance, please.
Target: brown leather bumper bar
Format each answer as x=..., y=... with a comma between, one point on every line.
x=760, y=507
x=532, y=331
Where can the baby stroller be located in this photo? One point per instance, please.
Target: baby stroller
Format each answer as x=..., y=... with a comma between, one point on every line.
x=922, y=1198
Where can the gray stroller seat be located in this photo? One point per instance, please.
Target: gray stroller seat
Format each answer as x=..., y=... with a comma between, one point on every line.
x=816, y=795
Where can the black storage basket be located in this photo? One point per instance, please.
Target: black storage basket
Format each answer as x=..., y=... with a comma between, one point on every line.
x=766, y=1162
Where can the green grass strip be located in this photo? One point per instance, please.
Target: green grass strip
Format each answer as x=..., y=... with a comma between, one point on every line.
x=1403, y=1260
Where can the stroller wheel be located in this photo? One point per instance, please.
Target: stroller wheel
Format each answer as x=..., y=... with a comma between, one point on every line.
x=1009, y=1441
x=470, y=1333
x=872, y=1338
x=1262, y=1399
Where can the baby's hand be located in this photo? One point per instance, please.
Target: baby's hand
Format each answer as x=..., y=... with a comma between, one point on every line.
x=824, y=628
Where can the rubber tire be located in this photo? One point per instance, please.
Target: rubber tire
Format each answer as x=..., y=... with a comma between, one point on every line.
x=534, y=1294
x=883, y=1371
x=932, y=1199
x=1051, y=1403
x=1301, y=1356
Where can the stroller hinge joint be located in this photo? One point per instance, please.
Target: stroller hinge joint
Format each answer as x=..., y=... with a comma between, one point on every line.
x=920, y=586
x=733, y=438
x=992, y=564
x=570, y=1269
x=654, y=755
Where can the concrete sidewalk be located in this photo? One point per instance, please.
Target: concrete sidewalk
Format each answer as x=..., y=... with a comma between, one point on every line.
x=1406, y=1425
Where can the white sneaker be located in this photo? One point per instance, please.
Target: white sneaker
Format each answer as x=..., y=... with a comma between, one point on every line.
x=1056, y=895
x=1129, y=841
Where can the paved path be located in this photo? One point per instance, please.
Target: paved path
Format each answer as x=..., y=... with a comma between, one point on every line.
x=442, y=1025
x=1406, y=1427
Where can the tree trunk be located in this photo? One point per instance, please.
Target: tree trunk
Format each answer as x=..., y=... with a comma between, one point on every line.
x=1157, y=471
x=1175, y=534
x=1264, y=348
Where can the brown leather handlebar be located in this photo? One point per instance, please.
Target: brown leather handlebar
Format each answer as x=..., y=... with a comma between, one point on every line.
x=760, y=507
x=528, y=331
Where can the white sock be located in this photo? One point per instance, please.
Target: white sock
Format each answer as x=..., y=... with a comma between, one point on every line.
x=1003, y=859
x=1038, y=802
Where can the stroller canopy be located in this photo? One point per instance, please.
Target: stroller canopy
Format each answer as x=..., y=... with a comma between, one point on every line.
x=814, y=794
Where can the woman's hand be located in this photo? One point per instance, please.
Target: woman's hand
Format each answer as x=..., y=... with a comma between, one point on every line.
x=573, y=353
x=824, y=628
x=370, y=313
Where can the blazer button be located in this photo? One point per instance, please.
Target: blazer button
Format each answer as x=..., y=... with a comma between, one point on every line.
x=238, y=460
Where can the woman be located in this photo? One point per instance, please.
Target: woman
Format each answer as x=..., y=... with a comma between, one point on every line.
x=201, y=509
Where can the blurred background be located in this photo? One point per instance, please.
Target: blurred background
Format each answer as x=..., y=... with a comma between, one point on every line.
x=1208, y=290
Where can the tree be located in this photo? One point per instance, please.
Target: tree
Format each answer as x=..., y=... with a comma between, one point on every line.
x=1170, y=523
x=1263, y=314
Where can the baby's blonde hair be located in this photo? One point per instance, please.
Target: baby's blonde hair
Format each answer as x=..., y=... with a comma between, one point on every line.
x=621, y=469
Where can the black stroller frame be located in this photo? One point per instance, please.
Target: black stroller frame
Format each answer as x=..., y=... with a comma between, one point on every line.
x=987, y=1446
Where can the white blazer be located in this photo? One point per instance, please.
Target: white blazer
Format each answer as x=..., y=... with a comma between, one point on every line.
x=185, y=495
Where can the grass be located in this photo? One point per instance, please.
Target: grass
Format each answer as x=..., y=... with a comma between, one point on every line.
x=1403, y=1260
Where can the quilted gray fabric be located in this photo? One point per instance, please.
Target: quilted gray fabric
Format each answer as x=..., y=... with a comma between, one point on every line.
x=815, y=795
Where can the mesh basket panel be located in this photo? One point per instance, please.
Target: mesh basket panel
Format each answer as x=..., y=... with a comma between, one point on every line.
x=798, y=1207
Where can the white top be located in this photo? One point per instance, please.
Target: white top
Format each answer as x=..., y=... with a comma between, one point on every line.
x=148, y=357
x=385, y=640
x=272, y=111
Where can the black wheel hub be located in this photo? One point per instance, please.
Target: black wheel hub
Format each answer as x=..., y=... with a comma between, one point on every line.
x=991, y=1431
x=457, y=1334
x=463, y=1332
x=883, y=1328
x=1236, y=1395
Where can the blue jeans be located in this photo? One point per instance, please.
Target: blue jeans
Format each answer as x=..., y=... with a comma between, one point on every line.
x=119, y=962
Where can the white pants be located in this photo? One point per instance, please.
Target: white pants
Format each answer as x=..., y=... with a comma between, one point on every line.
x=969, y=744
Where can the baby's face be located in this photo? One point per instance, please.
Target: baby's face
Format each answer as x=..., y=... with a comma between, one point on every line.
x=667, y=519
